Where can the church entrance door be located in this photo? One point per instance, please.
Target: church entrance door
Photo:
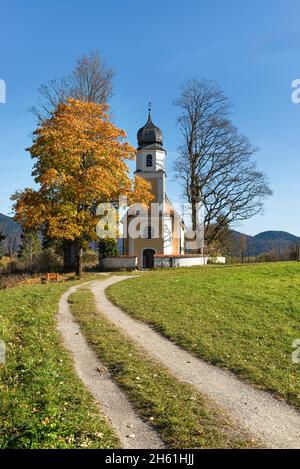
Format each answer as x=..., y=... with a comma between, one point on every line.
x=148, y=258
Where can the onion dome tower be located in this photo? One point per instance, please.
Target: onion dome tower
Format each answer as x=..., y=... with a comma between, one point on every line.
x=150, y=135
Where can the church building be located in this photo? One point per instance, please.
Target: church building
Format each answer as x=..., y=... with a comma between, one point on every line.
x=162, y=233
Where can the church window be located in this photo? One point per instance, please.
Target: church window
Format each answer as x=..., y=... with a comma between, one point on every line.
x=148, y=232
x=149, y=161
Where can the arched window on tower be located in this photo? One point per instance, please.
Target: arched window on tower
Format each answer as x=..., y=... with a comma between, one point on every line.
x=148, y=232
x=149, y=161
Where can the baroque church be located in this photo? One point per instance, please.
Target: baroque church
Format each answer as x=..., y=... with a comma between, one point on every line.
x=163, y=234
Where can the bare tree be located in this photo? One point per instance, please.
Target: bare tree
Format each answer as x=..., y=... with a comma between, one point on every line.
x=215, y=162
x=91, y=80
x=243, y=246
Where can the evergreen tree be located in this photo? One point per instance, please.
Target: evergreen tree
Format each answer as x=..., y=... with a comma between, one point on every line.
x=31, y=245
x=108, y=247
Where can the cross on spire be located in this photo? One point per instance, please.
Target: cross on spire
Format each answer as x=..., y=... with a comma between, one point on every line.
x=149, y=107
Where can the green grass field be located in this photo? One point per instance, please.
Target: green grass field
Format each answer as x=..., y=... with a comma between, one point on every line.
x=182, y=417
x=43, y=402
x=243, y=318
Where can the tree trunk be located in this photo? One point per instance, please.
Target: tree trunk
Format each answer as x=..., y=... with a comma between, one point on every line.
x=69, y=256
x=194, y=215
x=79, y=250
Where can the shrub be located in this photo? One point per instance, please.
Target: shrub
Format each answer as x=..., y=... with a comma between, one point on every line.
x=108, y=247
x=90, y=257
x=47, y=261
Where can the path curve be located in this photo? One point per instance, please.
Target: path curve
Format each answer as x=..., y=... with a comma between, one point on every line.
x=132, y=431
x=275, y=423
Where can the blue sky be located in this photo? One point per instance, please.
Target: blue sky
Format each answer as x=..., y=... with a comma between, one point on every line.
x=251, y=48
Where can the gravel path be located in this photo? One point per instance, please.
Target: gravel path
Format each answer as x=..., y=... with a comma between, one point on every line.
x=132, y=431
x=273, y=422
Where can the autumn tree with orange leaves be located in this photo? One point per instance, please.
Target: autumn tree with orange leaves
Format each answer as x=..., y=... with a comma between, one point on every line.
x=80, y=161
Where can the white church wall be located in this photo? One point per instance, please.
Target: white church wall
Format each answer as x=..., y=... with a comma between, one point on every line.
x=161, y=189
x=118, y=263
x=182, y=234
x=158, y=160
x=217, y=260
x=165, y=261
x=168, y=248
x=161, y=262
x=192, y=261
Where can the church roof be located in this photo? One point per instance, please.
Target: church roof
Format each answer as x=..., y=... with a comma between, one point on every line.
x=149, y=135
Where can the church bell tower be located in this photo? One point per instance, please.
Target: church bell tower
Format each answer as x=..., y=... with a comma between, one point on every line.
x=150, y=159
x=157, y=228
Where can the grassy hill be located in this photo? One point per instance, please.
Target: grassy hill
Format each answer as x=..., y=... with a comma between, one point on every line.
x=44, y=404
x=242, y=318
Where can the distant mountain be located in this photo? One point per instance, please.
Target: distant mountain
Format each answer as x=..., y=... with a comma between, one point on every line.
x=277, y=236
x=13, y=232
x=265, y=242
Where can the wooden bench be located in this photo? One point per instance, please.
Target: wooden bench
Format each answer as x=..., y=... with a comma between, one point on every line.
x=52, y=277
